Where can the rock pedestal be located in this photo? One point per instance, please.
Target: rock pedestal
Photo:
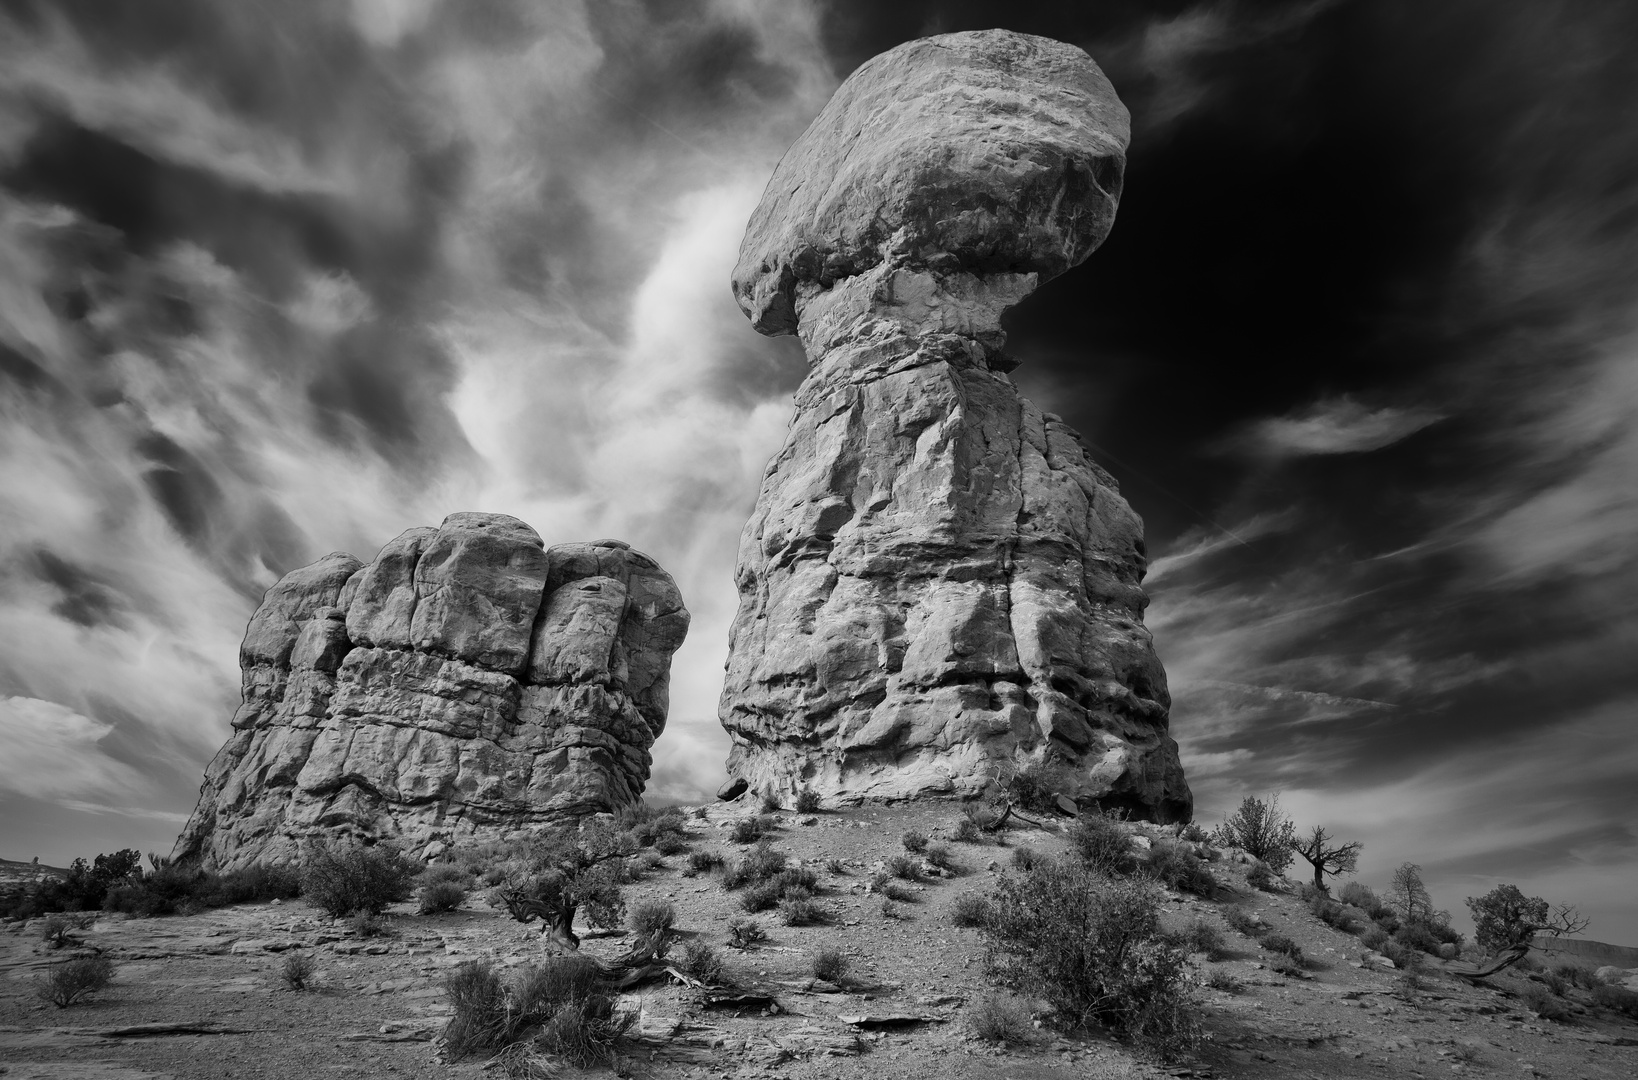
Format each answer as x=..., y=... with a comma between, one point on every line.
x=939, y=585
x=467, y=684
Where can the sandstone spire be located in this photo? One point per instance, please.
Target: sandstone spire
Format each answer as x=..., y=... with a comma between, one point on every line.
x=939, y=583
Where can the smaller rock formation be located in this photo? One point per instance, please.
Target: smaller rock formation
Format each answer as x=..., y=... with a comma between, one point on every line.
x=938, y=583
x=466, y=684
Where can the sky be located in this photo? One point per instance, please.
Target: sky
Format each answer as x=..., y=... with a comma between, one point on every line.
x=280, y=280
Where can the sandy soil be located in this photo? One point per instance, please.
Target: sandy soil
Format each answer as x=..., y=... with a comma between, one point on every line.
x=379, y=1005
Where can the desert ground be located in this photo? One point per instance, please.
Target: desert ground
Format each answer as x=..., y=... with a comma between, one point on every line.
x=201, y=996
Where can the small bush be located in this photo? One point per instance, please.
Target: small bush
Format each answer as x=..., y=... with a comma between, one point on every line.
x=1220, y=979
x=1181, y=870
x=1282, y=964
x=56, y=932
x=914, y=842
x=1260, y=877
x=344, y=878
x=941, y=856
x=670, y=844
x=903, y=866
x=564, y=1008
x=1331, y=914
x=893, y=910
x=884, y=885
x=1544, y=1003
x=794, y=878
x=831, y=964
x=1374, y=938
x=700, y=961
x=748, y=830
x=1202, y=937
x=703, y=862
x=1262, y=830
x=758, y=864
x=1425, y=935
x=1360, y=896
x=451, y=872
x=1616, y=999
x=745, y=933
x=1194, y=834
x=1024, y=858
x=807, y=801
x=1093, y=946
x=365, y=925
x=1403, y=956
x=1036, y=786
x=1242, y=921
x=796, y=910
x=1576, y=975
x=1102, y=844
x=770, y=803
x=966, y=831
x=71, y=980
x=1554, y=983
x=652, y=916
x=441, y=896
x=834, y=866
x=970, y=909
x=760, y=897
x=297, y=970
x=1279, y=943
x=1001, y=1018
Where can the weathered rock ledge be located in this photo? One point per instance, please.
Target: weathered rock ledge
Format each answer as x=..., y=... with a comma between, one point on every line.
x=466, y=684
x=938, y=583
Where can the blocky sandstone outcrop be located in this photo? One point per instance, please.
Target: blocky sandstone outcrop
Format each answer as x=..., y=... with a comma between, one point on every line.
x=468, y=683
x=938, y=583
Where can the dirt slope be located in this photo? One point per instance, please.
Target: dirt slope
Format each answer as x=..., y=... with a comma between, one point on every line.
x=379, y=1005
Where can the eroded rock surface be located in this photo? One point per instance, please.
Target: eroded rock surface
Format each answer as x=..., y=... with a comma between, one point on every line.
x=939, y=583
x=467, y=683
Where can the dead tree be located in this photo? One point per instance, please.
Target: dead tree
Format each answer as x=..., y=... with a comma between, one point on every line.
x=1326, y=856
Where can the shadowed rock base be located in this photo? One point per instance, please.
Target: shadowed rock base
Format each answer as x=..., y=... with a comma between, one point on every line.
x=938, y=584
x=467, y=684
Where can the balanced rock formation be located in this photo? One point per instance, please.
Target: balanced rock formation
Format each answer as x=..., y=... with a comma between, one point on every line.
x=467, y=684
x=939, y=584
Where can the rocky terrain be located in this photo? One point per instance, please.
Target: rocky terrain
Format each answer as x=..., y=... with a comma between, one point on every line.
x=200, y=996
x=467, y=683
x=938, y=582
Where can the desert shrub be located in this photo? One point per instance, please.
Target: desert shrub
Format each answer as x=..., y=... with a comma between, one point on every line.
x=884, y=884
x=670, y=844
x=440, y=896
x=116, y=882
x=941, y=856
x=760, y=897
x=1262, y=830
x=794, y=877
x=1181, y=870
x=1284, y=946
x=1616, y=999
x=700, y=961
x=966, y=831
x=1242, y=921
x=1544, y=1003
x=1307, y=893
x=893, y=910
x=970, y=909
x=1024, y=858
x=1331, y=914
x=1001, y=1018
x=747, y=830
x=563, y=1007
x=340, y=879
x=807, y=801
x=1554, y=982
x=1404, y=957
x=1426, y=935
x=1203, y=937
x=903, y=866
x=1374, y=938
x=652, y=916
x=703, y=862
x=770, y=802
x=297, y=970
x=1102, y=844
x=914, y=842
x=831, y=964
x=451, y=872
x=57, y=932
x=834, y=866
x=1194, y=834
x=1094, y=947
x=71, y=980
x=1036, y=786
x=598, y=893
x=1281, y=964
x=798, y=910
x=1261, y=877
x=365, y=925
x=745, y=933
x=1527, y=963
x=1360, y=896
x=1576, y=975
x=1221, y=979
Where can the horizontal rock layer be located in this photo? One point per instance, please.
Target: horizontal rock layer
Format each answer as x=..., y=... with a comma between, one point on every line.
x=466, y=684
